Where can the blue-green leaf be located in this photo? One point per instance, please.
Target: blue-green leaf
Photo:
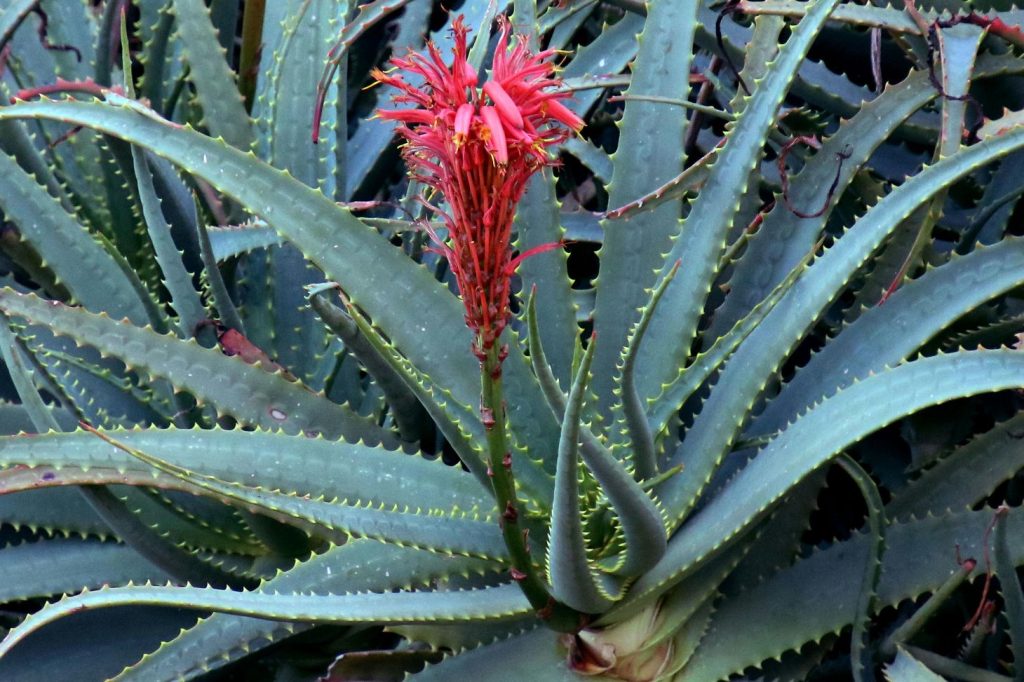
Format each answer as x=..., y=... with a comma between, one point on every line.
x=307, y=466
x=248, y=393
x=488, y=604
x=813, y=440
x=61, y=565
x=185, y=299
x=649, y=153
x=416, y=312
x=223, y=109
x=967, y=476
x=1009, y=585
x=90, y=272
x=573, y=580
x=535, y=656
x=753, y=364
x=706, y=228
x=357, y=566
x=894, y=331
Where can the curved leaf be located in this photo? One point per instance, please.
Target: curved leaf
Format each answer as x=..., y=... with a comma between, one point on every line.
x=662, y=409
x=537, y=224
x=456, y=606
x=535, y=655
x=308, y=466
x=185, y=300
x=754, y=363
x=64, y=565
x=455, y=532
x=1009, y=586
x=705, y=229
x=634, y=247
x=89, y=271
x=405, y=407
x=784, y=237
x=894, y=331
x=248, y=393
x=223, y=108
x=572, y=578
x=53, y=511
x=860, y=656
x=357, y=566
x=641, y=436
x=965, y=477
x=785, y=610
x=813, y=440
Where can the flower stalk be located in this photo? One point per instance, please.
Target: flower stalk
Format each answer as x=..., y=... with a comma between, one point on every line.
x=476, y=148
x=523, y=570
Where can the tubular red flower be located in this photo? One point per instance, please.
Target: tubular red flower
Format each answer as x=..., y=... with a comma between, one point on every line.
x=463, y=119
x=477, y=148
x=503, y=103
x=495, y=134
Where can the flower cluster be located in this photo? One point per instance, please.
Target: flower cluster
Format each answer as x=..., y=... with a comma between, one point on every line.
x=476, y=148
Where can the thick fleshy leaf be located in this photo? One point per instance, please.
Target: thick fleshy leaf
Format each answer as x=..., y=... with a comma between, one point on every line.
x=251, y=394
x=706, y=228
x=357, y=566
x=223, y=110
x=783, y=612
x=488, y=604
x=754, y=363
x=634, y=247
x=65, y=565
x=825, y=431
x=306, y=466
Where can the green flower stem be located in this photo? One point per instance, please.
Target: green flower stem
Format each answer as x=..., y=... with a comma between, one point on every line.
x=249, y=60
x=557, y=616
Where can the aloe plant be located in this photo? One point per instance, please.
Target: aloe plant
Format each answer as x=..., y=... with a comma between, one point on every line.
x=771, y=429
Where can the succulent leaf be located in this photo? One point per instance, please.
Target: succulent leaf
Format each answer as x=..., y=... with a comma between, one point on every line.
x=635, y=246
x=713, y=431
x=88, y=270
x=223, y=109
x=185, y=299
x=1009, y=585
x=703, y=233
x=920, y=557
x=832, y=180
x=899, y=328
x=746, y=499
x=860, y=655
x=487, y=604
x=573, y=579
x=357, y=566
x=261, y=398
x=62, y=565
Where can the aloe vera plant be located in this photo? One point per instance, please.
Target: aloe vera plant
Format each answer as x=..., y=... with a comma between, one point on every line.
x=769, y=431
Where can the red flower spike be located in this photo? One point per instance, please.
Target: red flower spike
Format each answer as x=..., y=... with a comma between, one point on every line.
x=476, y=148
